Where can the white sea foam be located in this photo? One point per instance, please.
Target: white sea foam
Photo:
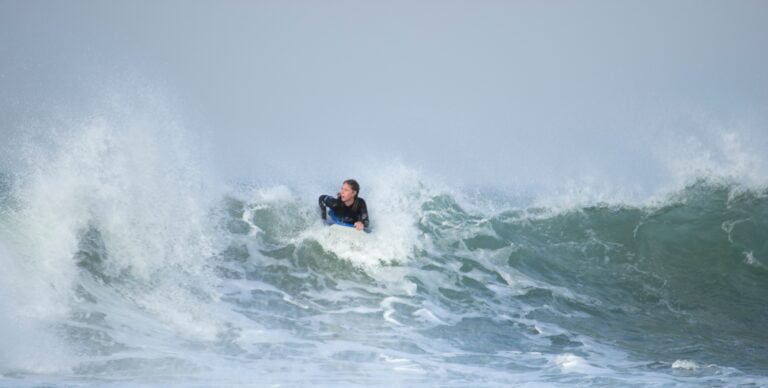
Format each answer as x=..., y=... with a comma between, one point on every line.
x=570, y=361
x=27, y=331
x=685, y=364
x=750, y=259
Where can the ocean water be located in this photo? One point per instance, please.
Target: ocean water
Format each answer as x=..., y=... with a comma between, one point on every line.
x=126, y=264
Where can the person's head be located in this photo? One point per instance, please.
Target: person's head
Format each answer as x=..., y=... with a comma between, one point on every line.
x=349, y=190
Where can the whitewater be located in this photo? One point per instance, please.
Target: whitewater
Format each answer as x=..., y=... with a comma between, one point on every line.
x=125, y=262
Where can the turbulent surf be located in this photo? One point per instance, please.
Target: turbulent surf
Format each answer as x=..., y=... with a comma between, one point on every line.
x=123, y=266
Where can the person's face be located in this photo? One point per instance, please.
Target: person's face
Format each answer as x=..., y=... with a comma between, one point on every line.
x=346, y=193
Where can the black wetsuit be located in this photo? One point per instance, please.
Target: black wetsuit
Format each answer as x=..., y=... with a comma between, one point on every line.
x=346, y=214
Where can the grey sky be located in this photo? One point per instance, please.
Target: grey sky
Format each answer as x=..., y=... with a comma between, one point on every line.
x=477, y=92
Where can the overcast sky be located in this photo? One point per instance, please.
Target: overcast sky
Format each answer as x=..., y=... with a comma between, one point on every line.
x=473, y=91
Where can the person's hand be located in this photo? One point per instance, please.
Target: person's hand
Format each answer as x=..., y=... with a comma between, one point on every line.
x=359, y=225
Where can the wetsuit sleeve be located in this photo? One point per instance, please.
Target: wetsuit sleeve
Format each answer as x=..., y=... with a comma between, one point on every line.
x=321, y=202
x=326, y=201
x=364, y=214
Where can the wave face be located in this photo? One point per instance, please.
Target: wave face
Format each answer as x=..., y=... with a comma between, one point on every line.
x=123, y=266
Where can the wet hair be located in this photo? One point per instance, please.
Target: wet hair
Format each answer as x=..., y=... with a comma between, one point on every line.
x=354, y=186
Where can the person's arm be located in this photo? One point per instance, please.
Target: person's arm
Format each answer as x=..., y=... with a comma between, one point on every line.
x=363, y=217
x=321, y=202
x=326, y=201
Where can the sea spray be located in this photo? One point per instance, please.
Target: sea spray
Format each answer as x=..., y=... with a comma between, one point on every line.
x=117, y=198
